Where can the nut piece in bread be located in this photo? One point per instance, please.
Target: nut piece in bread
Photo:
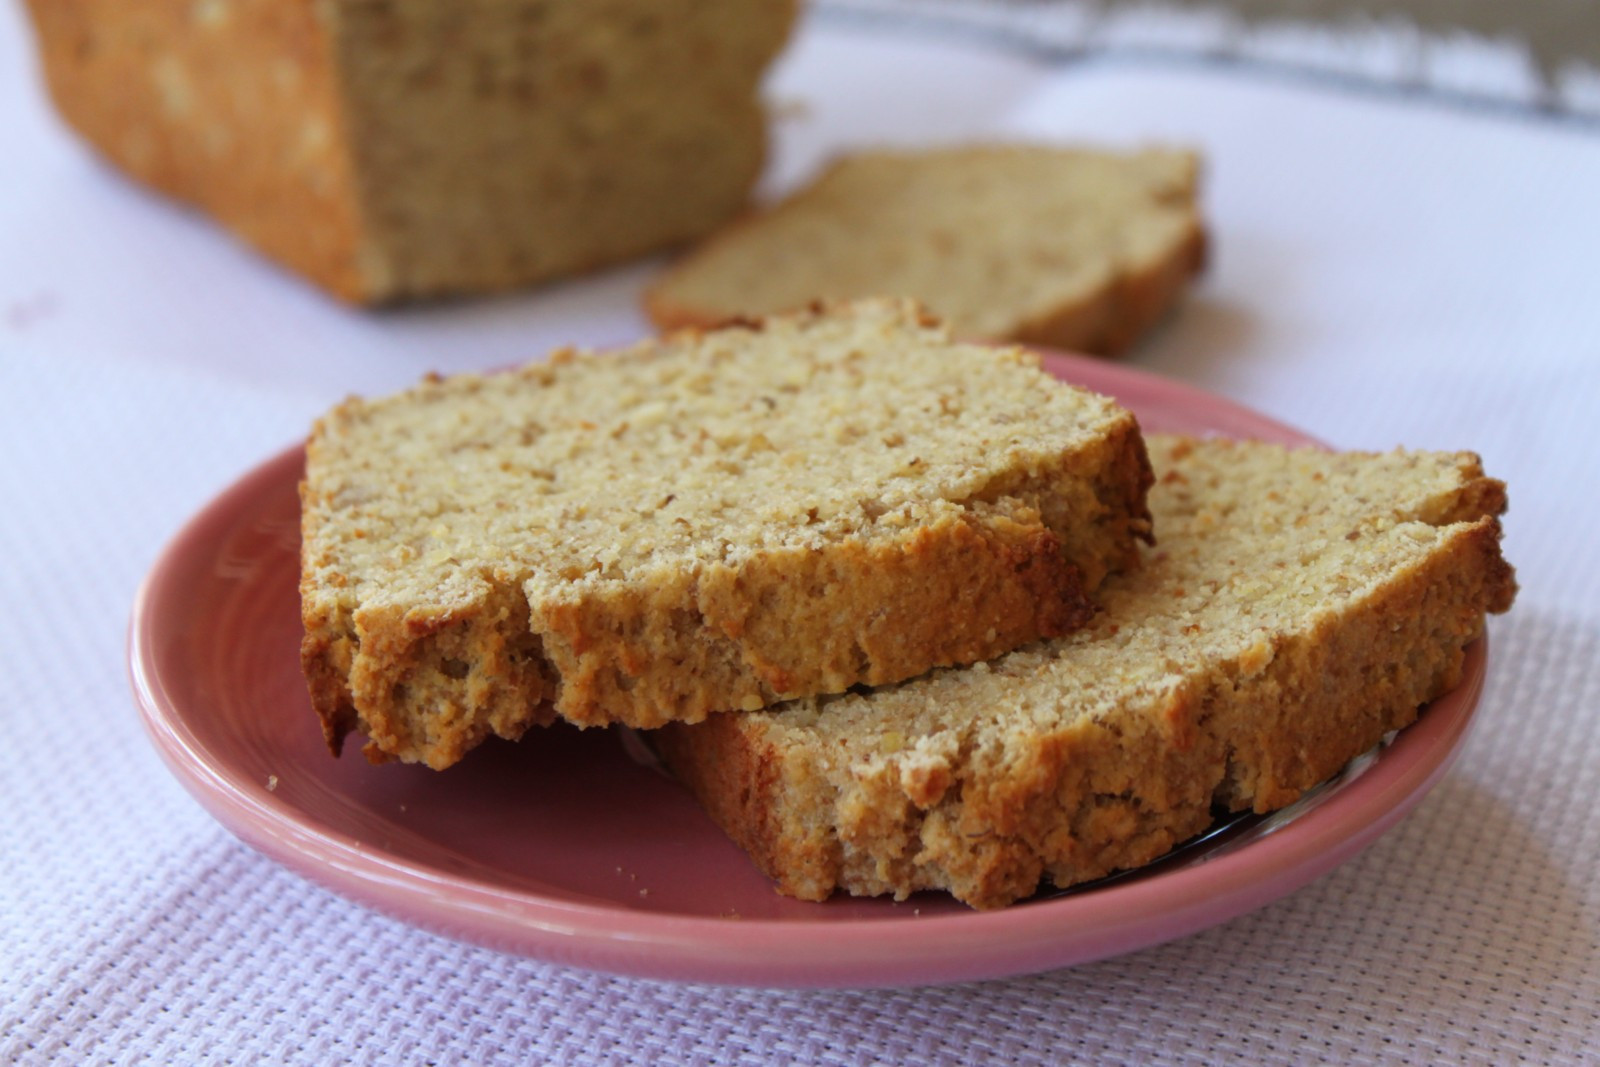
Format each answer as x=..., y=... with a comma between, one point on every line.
x=1076, y=248
x=1299, y=605
x=710, y=522
x=414, y=148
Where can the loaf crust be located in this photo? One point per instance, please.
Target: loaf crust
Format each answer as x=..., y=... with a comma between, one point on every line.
x=1299, y=606
x=1079, y=249
x=713, y=522
x=418, y=148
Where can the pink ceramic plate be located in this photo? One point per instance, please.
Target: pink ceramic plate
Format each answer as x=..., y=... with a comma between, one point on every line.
x=565, y=849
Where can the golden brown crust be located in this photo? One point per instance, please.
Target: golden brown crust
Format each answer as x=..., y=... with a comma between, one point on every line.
x=737, y=774
x=806, y=621
x=780, y=625
x=1109, y=321
x=182, y=102
x=1101, y=751
x=1334, y=692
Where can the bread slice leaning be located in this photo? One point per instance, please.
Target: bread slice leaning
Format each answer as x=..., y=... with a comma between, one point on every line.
x=1077, y=248
x=714, y=521
x=1299, y=605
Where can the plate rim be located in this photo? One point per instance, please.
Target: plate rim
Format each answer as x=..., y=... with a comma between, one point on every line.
x=896, y=949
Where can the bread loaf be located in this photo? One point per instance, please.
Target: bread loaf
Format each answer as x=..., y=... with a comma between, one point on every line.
x=413, y=148
x=1298, y=606
x=710, y=522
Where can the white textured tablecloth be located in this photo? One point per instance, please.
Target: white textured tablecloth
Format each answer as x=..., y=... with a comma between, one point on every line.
x=1387, y=271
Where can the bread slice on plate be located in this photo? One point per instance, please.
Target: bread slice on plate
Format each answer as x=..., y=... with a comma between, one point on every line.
x=1077, y=248
x=714, y=521
x=1298, y=606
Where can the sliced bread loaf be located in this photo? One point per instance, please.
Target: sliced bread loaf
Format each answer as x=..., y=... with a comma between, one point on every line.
x=1300, y=604
x=392, y=150
x=714, y=521
x=1076, y=248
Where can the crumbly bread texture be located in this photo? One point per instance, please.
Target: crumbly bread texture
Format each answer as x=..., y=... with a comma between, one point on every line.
x=410, y=148
x=710, y=522
x=1076, y=248
x=1298, y=606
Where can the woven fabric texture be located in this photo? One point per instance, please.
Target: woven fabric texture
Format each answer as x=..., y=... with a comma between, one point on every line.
x=1387, y=271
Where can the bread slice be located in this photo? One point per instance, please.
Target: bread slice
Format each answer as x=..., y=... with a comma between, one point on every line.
x=1300, y=604
x=714, y=521
x=1076, y=248
x=409, y=149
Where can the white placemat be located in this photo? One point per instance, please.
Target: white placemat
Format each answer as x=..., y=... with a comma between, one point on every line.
x=1387, y=272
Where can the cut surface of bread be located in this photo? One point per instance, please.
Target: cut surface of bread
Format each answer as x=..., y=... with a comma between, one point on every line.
x=1077, y=248
x=1298, y=606
x=709, y=522
x=415, y=148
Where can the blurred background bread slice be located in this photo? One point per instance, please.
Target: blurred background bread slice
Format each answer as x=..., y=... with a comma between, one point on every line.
x=1078, y=248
